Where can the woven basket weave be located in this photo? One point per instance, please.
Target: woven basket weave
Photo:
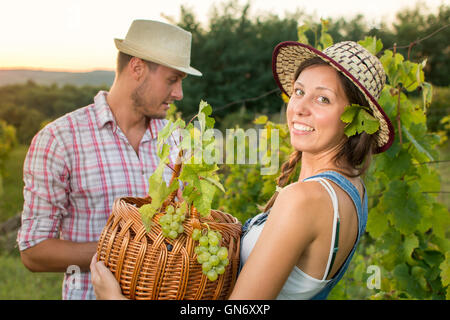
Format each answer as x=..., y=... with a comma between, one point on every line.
x=149, y=266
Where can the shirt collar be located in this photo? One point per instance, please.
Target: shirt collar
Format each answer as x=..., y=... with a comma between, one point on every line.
x=105, y=116
x=103, y=111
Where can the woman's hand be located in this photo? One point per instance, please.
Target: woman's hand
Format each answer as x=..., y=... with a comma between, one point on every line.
x=105, y=284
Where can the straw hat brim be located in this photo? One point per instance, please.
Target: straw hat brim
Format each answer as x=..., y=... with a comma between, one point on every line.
x=287, y=57
x=129, y=48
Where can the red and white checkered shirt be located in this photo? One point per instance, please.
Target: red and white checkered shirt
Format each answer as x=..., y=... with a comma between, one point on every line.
x=74, y=170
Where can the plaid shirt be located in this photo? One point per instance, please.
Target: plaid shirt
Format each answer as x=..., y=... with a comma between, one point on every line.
x=74, y=170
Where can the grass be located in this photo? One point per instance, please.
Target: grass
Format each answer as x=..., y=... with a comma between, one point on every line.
x=18, y=283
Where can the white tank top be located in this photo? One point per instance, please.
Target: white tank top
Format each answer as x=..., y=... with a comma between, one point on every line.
x=299, y=285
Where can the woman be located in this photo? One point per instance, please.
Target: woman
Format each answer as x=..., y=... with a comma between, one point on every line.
x=303, y=247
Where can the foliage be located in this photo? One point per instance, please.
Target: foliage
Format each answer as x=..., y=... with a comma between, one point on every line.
x=404, y=215
x=438, y=119
x=7, y=142
x=11, y=201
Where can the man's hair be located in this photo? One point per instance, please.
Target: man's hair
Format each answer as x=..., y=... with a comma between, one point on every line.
x=123, y=59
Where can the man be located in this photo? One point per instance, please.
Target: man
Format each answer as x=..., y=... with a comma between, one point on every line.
x=78, y=164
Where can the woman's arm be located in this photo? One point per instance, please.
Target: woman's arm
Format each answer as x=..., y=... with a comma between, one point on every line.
x=288, y=231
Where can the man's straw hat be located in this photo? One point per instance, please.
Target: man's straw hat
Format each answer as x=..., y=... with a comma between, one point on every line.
x=159, y=42
x=347, y=57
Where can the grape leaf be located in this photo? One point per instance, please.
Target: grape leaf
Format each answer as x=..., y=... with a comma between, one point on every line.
x=417, y=143
x=427, y=94
x=377, y=224
x=410, y=243
x=372, y=44
x=408, y=282
x=204, y=200
x=358, y=120
x=402, y=208
x=302, y=38
x=168, y=130
x=260, y=120
x=158, y=189
x=204, y=112
x=445, y=271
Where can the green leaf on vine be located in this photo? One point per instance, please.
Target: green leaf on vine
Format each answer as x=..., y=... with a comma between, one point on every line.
x=204, y=112
x=260, y=120
x=377, y=224
x=158, y=189
x=358, y=120
x=372, y=44
x=410, y=243
x=302, y=38
x=203, y=182
x=403, y=210
x=420, y=147
x=445, y=271
x=427, y=94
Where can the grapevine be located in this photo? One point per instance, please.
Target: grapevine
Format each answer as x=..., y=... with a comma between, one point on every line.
x=199, y=183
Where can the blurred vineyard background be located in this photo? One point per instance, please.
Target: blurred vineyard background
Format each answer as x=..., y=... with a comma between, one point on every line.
x=234, y=53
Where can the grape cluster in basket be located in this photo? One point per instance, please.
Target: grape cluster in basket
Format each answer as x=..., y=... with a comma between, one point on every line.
x=172, y=222
x=210, y=254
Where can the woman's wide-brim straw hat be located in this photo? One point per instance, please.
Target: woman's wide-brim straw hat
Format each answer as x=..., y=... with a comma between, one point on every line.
x=351, y=59
x=159, y=42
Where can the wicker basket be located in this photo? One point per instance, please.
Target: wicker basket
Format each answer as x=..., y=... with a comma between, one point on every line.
x=150, y=266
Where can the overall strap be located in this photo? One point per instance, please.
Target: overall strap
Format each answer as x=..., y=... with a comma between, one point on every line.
x=353, y=193
x=345, y=185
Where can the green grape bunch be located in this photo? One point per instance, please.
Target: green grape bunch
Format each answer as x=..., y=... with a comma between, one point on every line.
x=172, y=221
x=212, y=256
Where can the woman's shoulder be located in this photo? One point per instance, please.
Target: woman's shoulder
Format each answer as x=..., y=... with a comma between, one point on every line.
x=303, y=192
x=306, y=198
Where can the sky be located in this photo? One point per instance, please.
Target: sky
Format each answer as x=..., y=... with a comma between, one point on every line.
x=77, y=35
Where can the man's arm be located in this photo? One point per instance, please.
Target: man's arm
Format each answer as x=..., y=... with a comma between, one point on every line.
x=46, y=187
x=56, y=255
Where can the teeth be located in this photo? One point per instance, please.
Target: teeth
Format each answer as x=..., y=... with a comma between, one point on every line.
x=302, y=127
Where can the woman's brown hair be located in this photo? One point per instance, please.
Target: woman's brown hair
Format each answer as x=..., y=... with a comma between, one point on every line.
x=354, y=154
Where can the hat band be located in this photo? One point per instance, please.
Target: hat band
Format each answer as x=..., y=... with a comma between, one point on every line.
x=159, y=56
